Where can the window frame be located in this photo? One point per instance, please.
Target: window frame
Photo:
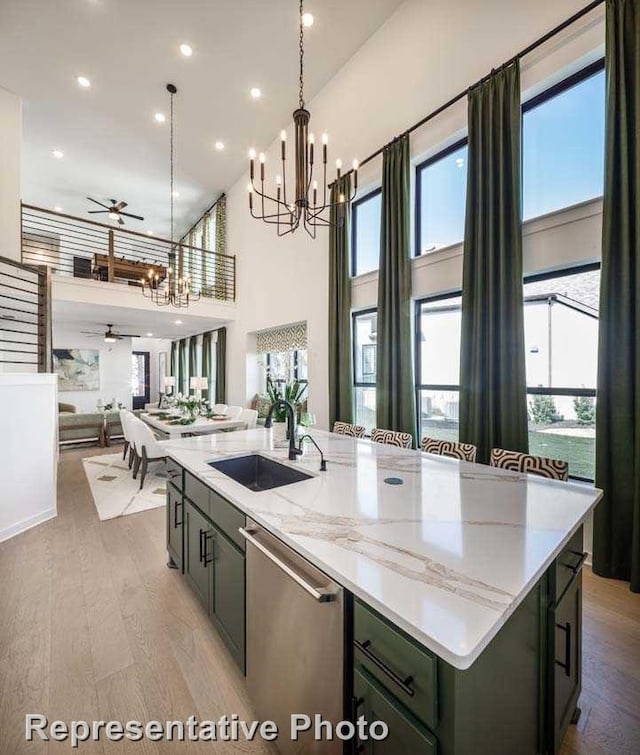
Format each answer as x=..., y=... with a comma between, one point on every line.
x=296, y=360
x=354, y=243
x=354, y=315
x=440, y=155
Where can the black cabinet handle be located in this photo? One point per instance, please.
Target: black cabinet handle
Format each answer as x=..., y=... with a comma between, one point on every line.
x=176, y=523
x=577, y=567
x=363, y=647
x=205, y=559
x=201, y=546
x=566, y=664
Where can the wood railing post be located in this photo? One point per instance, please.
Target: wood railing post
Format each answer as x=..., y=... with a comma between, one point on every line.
x=110, y=267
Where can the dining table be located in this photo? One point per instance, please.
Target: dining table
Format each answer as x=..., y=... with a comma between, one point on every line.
x=167, y=424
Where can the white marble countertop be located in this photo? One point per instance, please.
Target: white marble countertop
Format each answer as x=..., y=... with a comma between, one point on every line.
x=448, y=556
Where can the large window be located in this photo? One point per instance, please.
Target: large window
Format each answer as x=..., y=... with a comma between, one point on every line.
x=365, y=233
x=365, y=339
x=561, y=342
x=441, y=187
x=563, y=143
x=286, y=366
x=438, y=322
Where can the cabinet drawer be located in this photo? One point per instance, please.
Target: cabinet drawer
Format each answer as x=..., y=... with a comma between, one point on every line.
x=198, y=493
x=174, y=474
x=408, y=671
x=568, y=563
x=228, y=518
x=406, y=735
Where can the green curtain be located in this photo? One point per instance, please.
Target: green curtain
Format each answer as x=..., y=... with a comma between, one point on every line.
x=206, y=362
x=182, y=367
x=173, y=366
x=616, y=534
x=340, y=353
x=193, y=363
x=493, y=393
x=221, y=366
x=395, y=387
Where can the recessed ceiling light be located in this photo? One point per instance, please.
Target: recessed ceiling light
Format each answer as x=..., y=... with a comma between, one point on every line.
x=58, y=209
x=149, y=335
x=159, y=117
x=307, y=19
x=178, y=322
x=219, y=146
x=57, y=153
x=256, y=93
x=83, y=81
x=186, y=50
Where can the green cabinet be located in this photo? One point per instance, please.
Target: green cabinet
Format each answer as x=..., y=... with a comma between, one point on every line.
x=406, y=735
x=175, y=516
x=197, y=532
x=227, y=597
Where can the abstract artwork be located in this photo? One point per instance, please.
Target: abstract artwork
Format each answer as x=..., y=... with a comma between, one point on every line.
x=77, y=369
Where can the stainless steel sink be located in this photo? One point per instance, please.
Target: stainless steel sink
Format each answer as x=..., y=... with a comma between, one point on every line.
x=259, y=473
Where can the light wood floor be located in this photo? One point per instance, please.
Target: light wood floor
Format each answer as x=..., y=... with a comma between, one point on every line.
x=93, y=626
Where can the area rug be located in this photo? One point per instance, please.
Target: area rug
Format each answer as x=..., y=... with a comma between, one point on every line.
x=115, y=492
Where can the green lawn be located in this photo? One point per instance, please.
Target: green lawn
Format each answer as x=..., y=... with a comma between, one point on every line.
x=579, y=452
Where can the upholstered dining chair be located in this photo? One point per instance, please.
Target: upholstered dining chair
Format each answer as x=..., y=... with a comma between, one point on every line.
x=553, y=469
x=450, y=448
x=147, y=448
x=219, y=408
x=124, y=421
x=392, y=438
x=345, y=428
x=249, y=417
x=233, y=412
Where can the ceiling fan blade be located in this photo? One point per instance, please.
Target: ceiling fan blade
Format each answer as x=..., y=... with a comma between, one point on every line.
x=119, y=206
x=129, y=335
x=129, y=215
x=120, y=220
x=97, y=212
x=106, y=206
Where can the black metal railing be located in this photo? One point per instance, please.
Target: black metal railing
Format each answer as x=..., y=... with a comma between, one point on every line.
x=79, y=248
x=25, y=317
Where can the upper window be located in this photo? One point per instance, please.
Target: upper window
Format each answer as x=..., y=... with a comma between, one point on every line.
x=365, y=240
x=441, y=187
x=365, y=340
x=563, y=144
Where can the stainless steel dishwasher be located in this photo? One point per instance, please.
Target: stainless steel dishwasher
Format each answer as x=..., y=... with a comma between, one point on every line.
x=295, y=645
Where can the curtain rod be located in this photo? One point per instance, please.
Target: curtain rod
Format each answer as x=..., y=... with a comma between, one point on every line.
x=461, y=95
x=206, y=212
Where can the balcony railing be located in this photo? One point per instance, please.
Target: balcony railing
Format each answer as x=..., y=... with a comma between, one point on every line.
x=79, y=248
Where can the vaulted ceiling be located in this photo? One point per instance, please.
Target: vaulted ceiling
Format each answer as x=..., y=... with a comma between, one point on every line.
x=129, y=50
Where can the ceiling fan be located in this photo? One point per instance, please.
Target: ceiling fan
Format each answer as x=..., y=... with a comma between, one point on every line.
x=110, y=336
x=115, y=210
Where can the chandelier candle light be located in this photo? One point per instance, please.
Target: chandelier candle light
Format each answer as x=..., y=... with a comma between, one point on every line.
x=174, y=289
x=307, y=207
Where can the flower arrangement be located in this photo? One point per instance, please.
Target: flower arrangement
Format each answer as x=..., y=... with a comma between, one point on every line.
x=191, y=406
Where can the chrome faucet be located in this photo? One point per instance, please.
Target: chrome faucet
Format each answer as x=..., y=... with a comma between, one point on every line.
x=291, y=425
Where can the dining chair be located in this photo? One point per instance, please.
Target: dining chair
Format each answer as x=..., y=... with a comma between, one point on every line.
x=233, y=412
x=345, y=428
x=219, y=408
x=392, y=438
x=553, y=469
x=249, y=417
x=124, y=421
x=450, y=448
x=147, y=447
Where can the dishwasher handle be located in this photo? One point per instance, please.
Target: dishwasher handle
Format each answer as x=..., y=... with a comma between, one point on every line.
x=322, y=596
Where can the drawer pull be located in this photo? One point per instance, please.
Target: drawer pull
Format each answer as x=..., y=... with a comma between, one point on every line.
x=575, y=569
x=176, y=523
x=566, y=664
x=205, y=558
x=363, y=647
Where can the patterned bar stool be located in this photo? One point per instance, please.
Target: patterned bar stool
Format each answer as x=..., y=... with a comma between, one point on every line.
x=450, y=448
x=553, y=469
x=392, y=438
x=344, y=428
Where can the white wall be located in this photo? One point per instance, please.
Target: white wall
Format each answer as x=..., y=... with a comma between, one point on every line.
x=115, y=367
x=28, y=451
x=10, y=141
x=425, y=53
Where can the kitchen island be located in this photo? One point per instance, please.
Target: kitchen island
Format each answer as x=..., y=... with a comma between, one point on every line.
x=468, y=574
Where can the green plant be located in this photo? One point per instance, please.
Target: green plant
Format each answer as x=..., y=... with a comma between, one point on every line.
x=585, y=409
x=543, y=410
x=292, y=392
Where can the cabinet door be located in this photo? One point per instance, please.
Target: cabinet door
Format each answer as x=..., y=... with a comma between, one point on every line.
x=196, y=567
x=406, y=735
x=174, y=524
x=227, y=604
x=566, y=656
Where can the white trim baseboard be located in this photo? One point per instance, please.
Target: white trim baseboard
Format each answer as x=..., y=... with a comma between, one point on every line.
x=26, y=524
